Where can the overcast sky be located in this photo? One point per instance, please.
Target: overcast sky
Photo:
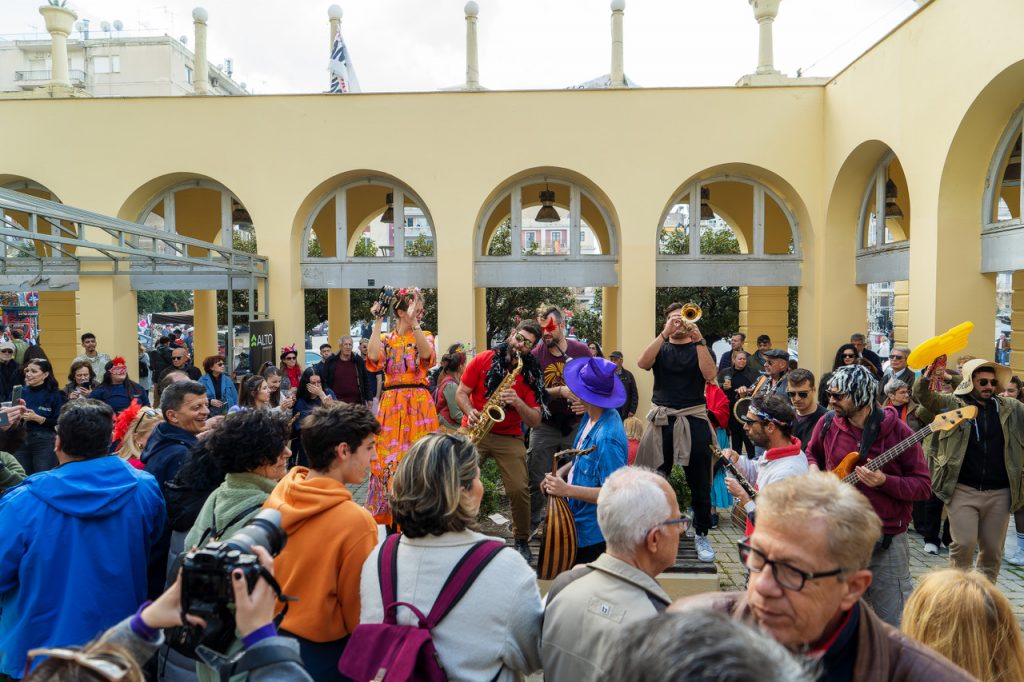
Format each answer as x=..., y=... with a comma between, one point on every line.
x=408, y=45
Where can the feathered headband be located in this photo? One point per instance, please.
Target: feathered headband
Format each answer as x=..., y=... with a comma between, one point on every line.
x=289, y=349
x=118, y=362
x=123, y=421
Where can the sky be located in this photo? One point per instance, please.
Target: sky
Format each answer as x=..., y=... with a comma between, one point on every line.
x=417, y=45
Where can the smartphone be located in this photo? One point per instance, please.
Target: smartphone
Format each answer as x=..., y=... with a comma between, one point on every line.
x=4, y=419
x=16, y=395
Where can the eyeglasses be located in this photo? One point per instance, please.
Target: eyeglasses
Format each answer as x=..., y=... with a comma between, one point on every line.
x=290, y=357
x=849, y=356
x=218, y=364
x=795, y=394
x=897, y=357
x=683, y=521
x=787, y=576
x=835, y=395
x=5, y=351
x=108, y=669
x=988, y=382
x=524, y=340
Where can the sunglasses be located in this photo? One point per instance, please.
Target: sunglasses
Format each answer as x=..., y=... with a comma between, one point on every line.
x=290, y=357
x=848, y=355
x=836, y=396
x=5, y=351
x=897, y=357
x=523, y=340
x=988, y=382
x=761, y=415
x=794, y=394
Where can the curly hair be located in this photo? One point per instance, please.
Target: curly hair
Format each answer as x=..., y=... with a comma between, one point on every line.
x=247, y=440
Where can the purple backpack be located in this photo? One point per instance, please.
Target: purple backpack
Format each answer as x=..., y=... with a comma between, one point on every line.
x=390, y=652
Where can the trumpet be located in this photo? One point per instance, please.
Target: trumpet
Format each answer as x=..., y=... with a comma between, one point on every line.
x=691, y=313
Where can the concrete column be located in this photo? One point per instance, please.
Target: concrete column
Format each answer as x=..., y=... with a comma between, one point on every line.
x=201, y=72
x=618, y=77
x=334, y=13
x=610, y=339
x=339, y=316
x=1017, y=325
x=60, y=21
x=58, y=329
x=107, y=307
x=479, y=339
x=204, y=321
x=765, y=12
x=765, y=310
x=472, y=62
x=901, y=313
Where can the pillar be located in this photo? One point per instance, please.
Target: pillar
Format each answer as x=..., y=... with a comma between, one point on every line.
x=334, y=13
x=339, y=316
x=1017, y=325
x=201, y=72
x=765, y=310
x=107, y=307
x=610, y=320
x=765, y=12
x=479, y=339
x=618, y=76
x=58, y=329
x=204, y=323
x=901, y=313
x=59, y=23
x=472, y=62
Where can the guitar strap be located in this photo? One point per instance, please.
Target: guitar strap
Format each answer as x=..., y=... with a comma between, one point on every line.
x=872, y=427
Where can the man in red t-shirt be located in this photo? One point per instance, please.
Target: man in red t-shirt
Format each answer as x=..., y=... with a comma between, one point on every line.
x=522, y=406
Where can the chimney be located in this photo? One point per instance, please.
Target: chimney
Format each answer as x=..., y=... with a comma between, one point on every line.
x=201, y=72
x=618, y=77
x=472, y=63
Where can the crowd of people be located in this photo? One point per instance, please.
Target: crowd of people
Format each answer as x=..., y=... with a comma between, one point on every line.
x=107, y=502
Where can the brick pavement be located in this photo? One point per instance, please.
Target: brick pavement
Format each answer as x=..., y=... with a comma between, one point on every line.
x=730, y=572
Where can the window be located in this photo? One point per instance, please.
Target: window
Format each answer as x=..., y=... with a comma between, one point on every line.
x=108, y=64
x=556, y=241
x=529, y=238
x=188, y=74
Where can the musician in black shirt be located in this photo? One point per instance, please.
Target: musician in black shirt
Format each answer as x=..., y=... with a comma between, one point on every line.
x=801, y=393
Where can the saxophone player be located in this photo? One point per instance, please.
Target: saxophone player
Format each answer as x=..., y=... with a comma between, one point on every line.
x=523, y=404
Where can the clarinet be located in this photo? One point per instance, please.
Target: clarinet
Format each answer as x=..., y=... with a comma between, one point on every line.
x=732, y=469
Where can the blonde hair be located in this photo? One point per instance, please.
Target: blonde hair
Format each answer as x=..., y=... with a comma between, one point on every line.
x=427, y=489
x=145, y=421
x=853, y=526
x=634, y=428
x=964, y=617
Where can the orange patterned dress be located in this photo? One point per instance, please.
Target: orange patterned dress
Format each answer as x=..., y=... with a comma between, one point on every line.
x=405, y=413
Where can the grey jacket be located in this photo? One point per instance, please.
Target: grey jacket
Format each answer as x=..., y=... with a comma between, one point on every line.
x=587, y=612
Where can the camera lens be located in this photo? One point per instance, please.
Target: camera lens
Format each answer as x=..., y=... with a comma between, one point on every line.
x=264, y=530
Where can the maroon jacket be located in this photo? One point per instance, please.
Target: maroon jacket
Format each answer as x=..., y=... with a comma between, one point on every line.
x=906, y=478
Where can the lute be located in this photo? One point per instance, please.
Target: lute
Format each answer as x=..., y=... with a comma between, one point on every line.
x=942, y=422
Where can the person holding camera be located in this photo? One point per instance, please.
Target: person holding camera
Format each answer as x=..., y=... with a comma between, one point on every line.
x=120, y=652
x=252, y=449
x=81, y=380
x=329, y=534
x=75, y=541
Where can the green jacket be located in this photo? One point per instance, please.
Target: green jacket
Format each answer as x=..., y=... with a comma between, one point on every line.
x=946, y=453
x=11, y=471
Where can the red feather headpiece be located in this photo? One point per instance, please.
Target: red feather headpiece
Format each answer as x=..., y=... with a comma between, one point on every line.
x=123, y=421
x=118, y=361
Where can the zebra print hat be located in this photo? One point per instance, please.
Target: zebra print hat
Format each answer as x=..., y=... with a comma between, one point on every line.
x=856, y=381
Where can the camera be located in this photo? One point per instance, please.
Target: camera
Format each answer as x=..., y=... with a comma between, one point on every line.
x=206, y=580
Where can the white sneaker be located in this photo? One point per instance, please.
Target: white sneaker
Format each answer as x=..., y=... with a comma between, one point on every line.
x=1017, y=558
x=705, y=552
x=931, y=548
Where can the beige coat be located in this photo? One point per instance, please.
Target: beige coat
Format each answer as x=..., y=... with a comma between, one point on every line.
x=586, y=616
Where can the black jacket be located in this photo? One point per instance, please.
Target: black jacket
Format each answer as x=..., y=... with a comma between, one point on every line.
x=367, y=389
x=632, y=395
x=10, y=376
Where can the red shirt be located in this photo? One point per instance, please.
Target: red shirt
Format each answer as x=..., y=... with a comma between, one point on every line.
x=475, y=377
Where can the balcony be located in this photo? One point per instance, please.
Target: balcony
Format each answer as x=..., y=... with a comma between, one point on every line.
x=27, y=80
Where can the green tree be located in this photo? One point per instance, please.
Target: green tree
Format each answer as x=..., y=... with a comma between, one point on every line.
x=586, y=323
x=163, y=301
x=720, y=306
x=794, y=303
x=506, y=306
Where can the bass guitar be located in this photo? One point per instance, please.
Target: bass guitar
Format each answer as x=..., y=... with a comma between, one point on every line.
x=943, y=422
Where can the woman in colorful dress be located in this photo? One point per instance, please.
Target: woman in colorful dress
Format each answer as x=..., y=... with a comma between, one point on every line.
x=406, y=410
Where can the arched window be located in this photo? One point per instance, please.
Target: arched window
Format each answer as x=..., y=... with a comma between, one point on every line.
x=377, y=230
x=883, y=226
x=546, y=230
x=1002, y=221
x=201, y=209
x=728, y=230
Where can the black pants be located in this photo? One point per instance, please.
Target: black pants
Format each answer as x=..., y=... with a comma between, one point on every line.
x=584, y=555
x=320, y=659
x=927, y=516
x=739, y=438
x=37, y=453
x=698, y=471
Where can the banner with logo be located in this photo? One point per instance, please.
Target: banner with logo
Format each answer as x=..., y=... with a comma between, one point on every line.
x=262, y=344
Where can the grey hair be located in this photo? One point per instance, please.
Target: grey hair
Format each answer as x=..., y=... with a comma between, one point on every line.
x=630, y=503
x=894, y=385
x=857, y=381
x=903, y=349
x=857, y=336
x=701, y=645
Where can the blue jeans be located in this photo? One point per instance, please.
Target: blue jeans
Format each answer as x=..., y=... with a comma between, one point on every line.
x=37, y=452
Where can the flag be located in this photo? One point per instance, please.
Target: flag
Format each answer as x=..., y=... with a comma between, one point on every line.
x=343, y=74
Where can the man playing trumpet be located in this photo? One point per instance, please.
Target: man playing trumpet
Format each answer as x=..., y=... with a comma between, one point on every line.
x=679, y=431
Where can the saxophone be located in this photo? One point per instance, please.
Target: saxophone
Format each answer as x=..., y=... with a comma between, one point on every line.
x=492, y=412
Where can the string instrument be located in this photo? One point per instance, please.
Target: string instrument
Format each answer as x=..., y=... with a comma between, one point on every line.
x=558, y=548
x=943, y=422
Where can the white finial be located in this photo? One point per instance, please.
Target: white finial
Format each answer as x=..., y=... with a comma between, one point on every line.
x=334, y=12
x=472, y=9
x=618, y=5
x=200, y=14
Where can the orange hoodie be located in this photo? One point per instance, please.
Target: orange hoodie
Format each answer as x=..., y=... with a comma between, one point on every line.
x=329, y=538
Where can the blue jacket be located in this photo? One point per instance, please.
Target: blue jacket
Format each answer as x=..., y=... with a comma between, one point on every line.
x=591, y=470
x=46, y=403
x=227, y=390
x=117, y=396
x=73, y=554
x=165, y=451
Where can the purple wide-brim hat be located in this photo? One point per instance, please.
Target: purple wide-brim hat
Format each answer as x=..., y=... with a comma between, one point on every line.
x=594, y=380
